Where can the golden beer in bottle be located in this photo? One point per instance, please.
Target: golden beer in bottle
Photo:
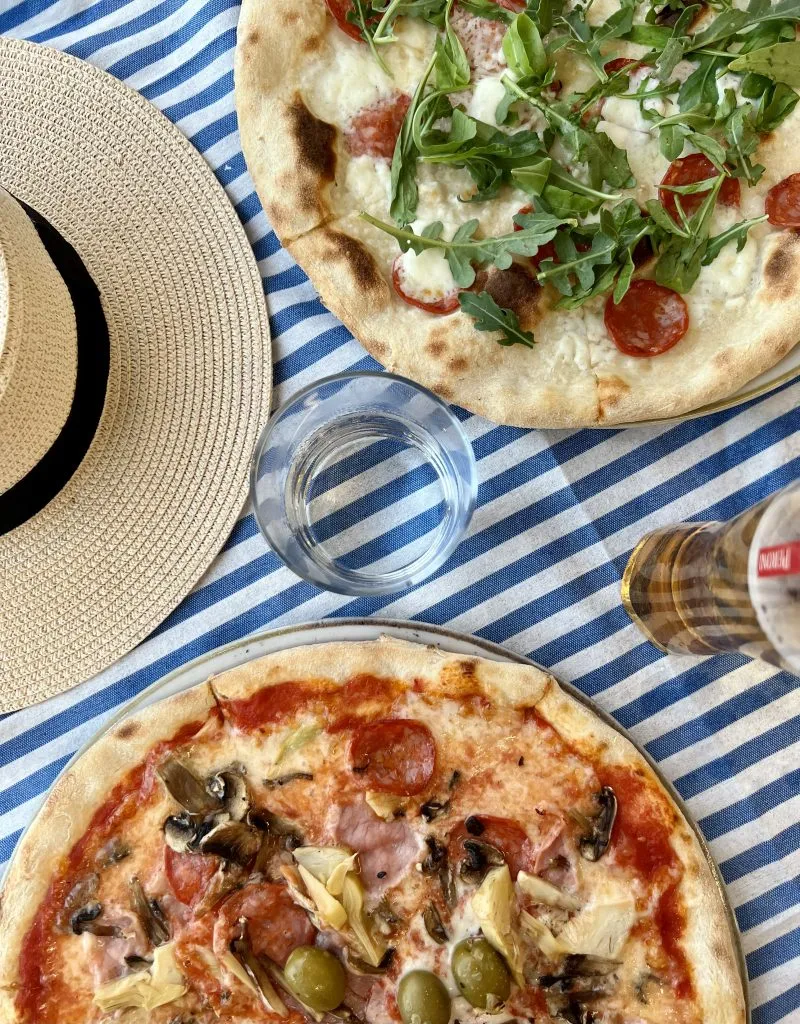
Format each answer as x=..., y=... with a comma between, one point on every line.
x=704, y=588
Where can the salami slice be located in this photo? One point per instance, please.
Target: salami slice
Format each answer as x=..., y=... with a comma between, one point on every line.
x=275, y=923
x=188, y=874
x=424, y=298
x=688, y=170
x=611, y=67
x=504, y=834
x=373, y=132
x=339, y=9
x=394, y=755
x=649, y=320
x=782, y=204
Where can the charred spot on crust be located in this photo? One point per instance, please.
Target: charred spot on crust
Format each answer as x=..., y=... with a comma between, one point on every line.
x=362, y=266
x=780, y=270
x=515, y=288
x=458, y=365
x=611, y=390
x=128, y=730
x=434, y=345
x=315, y=141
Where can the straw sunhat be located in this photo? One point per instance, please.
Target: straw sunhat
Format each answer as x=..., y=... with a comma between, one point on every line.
x=90, y=574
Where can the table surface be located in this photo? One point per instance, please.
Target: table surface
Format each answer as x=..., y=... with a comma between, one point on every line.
x=539, y=571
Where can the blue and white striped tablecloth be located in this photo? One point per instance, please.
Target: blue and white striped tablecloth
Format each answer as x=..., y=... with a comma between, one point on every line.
x=539, y=571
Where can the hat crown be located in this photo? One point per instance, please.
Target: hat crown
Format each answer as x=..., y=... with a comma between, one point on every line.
x=38, y=346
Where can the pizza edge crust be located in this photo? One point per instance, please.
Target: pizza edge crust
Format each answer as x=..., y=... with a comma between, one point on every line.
x=67, y=812
x=717, y=978
x=58, y=825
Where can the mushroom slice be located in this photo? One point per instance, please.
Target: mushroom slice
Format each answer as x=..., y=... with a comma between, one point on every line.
x=85, y=920
x=230, y=789
x=266, y=821
x=244, y=965
x=225, y=879
x=179, y=832
x=149, y=913
x=478, y=858
x=595, y=842
x=495, y=907
x=234, y=841
x=433, y=924
x=359, y=966
x=144, y=990
x=541, y=891
x=184, y=786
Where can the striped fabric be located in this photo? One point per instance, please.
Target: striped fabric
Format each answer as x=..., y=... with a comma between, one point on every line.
x=557, y=515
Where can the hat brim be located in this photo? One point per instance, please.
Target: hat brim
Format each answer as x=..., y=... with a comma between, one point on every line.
x=93, y=573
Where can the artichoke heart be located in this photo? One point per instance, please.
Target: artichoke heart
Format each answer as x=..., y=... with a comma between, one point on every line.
x=292, y=741
x=551, y=946
x=328, y=864
x=495, y=906
x=385, y=805
x=601, y=929
x=162, y=983
x=329, y=910
x=544, y=892
x=372, y=947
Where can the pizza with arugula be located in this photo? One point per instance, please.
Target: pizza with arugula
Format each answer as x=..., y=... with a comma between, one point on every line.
x=559, y=213
x=365, y=833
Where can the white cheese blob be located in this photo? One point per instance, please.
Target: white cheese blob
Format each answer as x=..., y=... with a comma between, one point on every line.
x=427, y=277
x=483, y=104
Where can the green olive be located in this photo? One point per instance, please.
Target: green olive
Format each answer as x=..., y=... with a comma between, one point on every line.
x=423, y=999
x=316, y=977
x=481, y=973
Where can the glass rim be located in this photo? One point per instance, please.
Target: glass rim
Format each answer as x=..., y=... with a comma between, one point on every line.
x=325, y=572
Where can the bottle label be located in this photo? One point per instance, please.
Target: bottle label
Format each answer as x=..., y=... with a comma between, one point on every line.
x=779, y=560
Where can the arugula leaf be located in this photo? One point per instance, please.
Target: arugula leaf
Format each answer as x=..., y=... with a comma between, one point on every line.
x=464, y=250
x=451, y=67
x=564, y=203
x=544, y=13
x=382, y=33
x=360, y=14
x=681, y=255
x=736, y=233
x=487, y=9
x=676, y=45
x=649, y=35
x=523, y=48
x=533, y=179
x=775, y=107
x=488, y=316
x=700, y=88
x=780, y=62
x=733, y=21
x=404, y=193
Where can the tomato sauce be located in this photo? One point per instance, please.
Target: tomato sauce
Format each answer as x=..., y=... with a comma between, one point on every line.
x=640, y=841
x=41, y=989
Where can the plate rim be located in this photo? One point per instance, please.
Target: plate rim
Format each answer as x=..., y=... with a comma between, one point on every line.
x=406, y=629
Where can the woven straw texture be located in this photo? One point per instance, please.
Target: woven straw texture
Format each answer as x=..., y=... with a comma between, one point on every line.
x=38, y=346
x=189, y=382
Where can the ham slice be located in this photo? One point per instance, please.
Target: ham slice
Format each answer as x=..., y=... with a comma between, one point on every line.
x=385, y=848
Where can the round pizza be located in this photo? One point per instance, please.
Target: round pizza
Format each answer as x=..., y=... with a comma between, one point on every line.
x=365, y=833
x=559, y=213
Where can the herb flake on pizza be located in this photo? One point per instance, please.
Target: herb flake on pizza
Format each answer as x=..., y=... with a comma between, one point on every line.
x=368, y=833
x=609, y=190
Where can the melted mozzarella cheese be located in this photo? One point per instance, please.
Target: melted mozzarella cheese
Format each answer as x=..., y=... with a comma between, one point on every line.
x=426, y=277
x=483, y=104
x=350, y=79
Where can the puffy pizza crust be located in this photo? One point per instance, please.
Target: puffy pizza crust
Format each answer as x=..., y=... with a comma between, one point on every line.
x=84, y=787
x=67, y=813
x=744, y=310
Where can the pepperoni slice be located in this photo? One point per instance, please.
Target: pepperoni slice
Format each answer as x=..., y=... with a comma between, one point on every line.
x=611, y=67
x=686, y=171
x=275, y=924
x=339, y=9
x=506, y=835
x=188, y=874
x=373, y=132
x=446, y=304
x=515, y=6
x=782, y=205
x=649, y=320
x=394, y=755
